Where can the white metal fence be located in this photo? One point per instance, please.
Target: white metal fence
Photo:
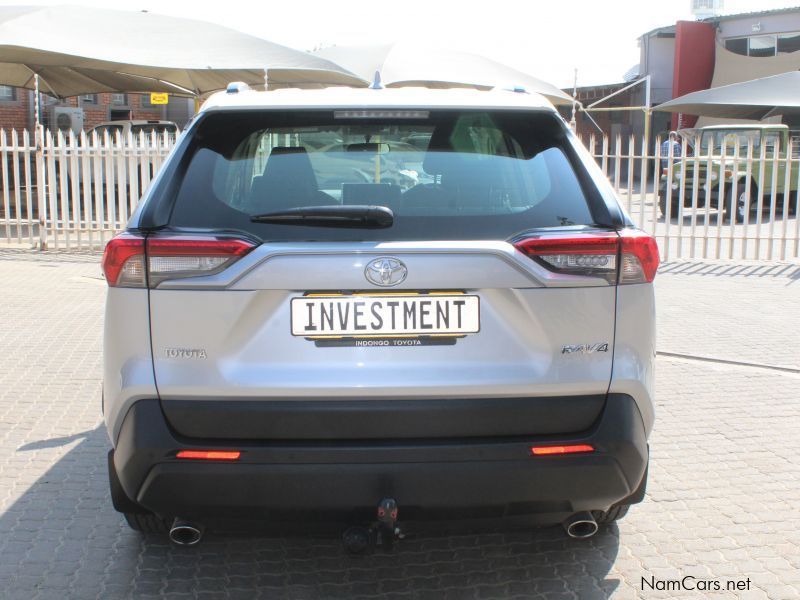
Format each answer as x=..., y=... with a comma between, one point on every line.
x=75, y=191
x=730, y=194
x=735, y=197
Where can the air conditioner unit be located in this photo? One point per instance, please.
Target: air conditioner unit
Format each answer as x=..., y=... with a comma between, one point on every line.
x=65, y=118
x=705, y=9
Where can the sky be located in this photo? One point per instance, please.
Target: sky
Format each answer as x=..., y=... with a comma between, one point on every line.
x=546, y=38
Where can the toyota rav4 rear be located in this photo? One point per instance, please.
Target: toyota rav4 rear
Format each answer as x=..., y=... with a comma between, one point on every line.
x=338, y=298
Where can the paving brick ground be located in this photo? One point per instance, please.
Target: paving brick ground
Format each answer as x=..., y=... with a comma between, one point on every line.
x=723, y=501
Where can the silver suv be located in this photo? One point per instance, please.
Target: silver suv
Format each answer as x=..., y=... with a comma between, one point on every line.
x=378, y=307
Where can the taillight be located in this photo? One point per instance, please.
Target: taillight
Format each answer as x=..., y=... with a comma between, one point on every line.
x=168, y=257
x=123, y=261
x=628, y=256
x=578, y=254
x=640, y=257
x=176, y=256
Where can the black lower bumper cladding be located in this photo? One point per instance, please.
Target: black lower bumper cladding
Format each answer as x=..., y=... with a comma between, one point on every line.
x=430, y=478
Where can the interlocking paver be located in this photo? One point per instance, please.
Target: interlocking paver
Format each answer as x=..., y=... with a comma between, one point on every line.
x=724, y=479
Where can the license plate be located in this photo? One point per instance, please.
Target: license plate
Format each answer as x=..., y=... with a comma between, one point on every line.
x=385, y=315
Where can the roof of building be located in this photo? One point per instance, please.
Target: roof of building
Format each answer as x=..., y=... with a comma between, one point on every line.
x=670, y=29
x=757, y=13
x=588, y=93
x=362, y=98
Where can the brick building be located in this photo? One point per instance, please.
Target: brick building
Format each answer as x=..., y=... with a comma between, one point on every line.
x=17, y=108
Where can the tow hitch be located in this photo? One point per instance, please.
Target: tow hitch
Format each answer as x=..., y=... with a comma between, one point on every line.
x=381, y=532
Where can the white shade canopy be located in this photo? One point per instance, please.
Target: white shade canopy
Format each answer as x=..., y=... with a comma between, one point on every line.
x=77, y=50
x=755, y=99
x=405, y=64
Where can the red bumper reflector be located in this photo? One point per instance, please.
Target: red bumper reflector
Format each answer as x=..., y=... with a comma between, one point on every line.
x=209, y=454
x=549, y=450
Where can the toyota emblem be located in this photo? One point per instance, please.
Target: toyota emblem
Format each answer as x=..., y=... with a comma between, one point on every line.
x=385, y=271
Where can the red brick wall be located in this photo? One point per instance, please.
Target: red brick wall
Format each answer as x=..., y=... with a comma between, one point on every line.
x=18, y=114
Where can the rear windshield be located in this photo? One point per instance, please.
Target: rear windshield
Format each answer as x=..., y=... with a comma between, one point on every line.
x=445, y=175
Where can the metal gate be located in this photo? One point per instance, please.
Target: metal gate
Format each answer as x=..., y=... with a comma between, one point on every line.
x=735, y=197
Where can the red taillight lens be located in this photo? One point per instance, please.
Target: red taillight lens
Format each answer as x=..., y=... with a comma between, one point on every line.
x=123, y=261
x=168, y=257
x=551, y=450
x=640, y=257
x=628, y=256
x=175, y=257
x=581, y=254
x=209, y=454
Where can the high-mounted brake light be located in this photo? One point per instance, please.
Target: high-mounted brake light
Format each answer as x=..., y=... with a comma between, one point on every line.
x=628, y=256
x=551, y=450
x=381, y=114
x=209, y=454
x=168, y=257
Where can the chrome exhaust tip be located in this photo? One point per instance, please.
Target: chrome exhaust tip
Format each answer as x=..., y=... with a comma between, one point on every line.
x=581, y=525
x=184, y=533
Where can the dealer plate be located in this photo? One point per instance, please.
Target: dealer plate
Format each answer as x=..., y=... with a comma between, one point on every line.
x=359, y=315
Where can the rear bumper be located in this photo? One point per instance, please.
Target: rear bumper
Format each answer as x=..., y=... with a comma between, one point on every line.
x=439, y=479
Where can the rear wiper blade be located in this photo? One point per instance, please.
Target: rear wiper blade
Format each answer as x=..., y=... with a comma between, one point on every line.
x=337, y=215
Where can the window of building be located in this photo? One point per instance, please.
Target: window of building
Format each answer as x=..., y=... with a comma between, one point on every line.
x=737, y=45
x=7, y=92
x=762, y=45
x=788, y=42
x=119, y=99
x=89, y=99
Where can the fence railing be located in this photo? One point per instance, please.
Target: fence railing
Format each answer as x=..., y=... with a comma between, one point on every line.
x=731, y=196
x=75, y=191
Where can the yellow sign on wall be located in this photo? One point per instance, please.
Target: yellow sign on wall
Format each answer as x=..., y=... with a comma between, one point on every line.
x=159, y=98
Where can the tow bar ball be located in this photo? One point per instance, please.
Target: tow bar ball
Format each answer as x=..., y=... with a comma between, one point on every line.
x=381, y=532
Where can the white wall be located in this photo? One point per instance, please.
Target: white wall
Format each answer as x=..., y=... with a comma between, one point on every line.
x=743, y=26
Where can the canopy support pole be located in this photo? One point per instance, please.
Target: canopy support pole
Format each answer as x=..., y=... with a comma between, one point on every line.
x=572, y=122
x=648, y=117
x=39, y=141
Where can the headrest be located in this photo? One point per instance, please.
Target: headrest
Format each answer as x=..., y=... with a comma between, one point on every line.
x=290, y=167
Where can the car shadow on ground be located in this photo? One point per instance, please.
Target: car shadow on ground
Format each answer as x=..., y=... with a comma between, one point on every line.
x=61, y=538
